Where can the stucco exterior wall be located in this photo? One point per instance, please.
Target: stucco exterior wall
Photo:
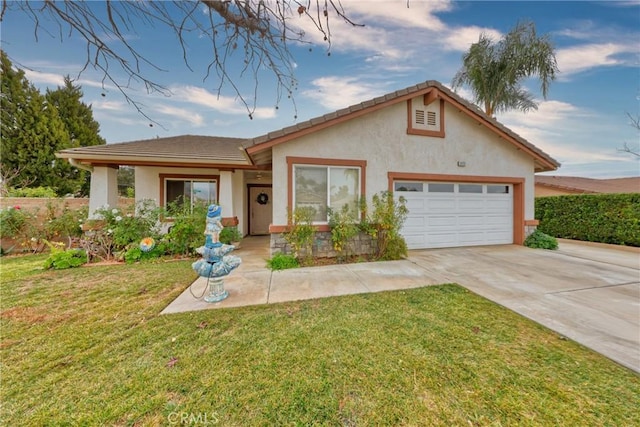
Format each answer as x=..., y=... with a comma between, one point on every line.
x=147, y=183
x=381, y=139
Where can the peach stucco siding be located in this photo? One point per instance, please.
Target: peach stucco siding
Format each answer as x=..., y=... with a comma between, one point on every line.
x=380, y=138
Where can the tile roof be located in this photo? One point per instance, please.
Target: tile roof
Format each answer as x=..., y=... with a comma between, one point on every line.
x=185, y=148
x=254, y=144
x=590, y=185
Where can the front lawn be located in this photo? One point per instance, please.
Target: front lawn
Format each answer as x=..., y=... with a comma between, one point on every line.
x=86, y=346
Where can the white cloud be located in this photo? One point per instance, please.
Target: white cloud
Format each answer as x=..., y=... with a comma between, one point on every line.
x=571, y=135
x=220, y=103
x=334, y=92
x=194, y=119
x=461, y=38
x=579, y=58
x=108, y=105
x=40, y=78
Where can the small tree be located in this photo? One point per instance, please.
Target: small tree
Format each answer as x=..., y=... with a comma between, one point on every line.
x=301, y=233
x=384, y=223
x=344, y=227
x=495, y=70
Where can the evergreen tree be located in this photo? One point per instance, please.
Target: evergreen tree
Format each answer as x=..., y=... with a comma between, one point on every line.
x=78, y=119
x=34, y=127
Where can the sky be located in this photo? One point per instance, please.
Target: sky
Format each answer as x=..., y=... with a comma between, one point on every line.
x=583, y=123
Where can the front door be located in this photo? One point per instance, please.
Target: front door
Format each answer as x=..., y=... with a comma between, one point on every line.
x=260, y=210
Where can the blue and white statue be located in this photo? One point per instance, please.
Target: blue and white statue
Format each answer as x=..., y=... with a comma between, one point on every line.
x=215, y=263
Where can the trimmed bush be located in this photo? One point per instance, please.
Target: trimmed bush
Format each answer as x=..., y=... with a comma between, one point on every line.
x=282, y=261
x=603, y=218
x=540, y=240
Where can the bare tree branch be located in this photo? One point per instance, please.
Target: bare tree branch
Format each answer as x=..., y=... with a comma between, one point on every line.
x=256, y=32
x=635, y=123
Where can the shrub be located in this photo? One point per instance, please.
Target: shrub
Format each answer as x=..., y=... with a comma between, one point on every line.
x=282, y=261
x=135, y=254
x=344, y=227
x=60, y=258
x=33, y=192
x=301, y=233
x=604, y=218
x=65, y=223
x=116, y=230
x=384, y=223
x=12, y=222
x=540, y=240
x=230, y=234
x=186, y=233
x=23, y=227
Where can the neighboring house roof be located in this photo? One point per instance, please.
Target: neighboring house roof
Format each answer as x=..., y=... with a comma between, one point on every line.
x=260, y=148
x=576, y=184
x=188, y=150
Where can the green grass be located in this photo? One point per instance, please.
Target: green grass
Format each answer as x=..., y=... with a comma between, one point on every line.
x=86, y=346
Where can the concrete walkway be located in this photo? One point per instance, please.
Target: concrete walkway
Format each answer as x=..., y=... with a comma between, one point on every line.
x=588, y=293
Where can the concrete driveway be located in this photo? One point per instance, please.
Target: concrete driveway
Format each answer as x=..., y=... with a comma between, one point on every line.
x=589, y=293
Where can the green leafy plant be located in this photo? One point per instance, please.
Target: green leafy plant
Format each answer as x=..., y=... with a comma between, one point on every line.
x=384, y=222
x=64, y=223
x=32, y=192
x=540, y=240
x=344, y=227
x=186, y=232
x=12, y=222
x=230, y=234
x=61, y=259
x=301, y=233
x=135, y=254
x=22, y=228
x=116, y=230
x=603, y=218
x=282, y=261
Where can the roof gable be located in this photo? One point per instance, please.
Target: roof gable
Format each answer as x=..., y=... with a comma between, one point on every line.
x=259, y=148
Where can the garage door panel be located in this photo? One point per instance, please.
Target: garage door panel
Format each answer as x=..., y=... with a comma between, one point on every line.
x=416, y=205
x=438, y=221
x=440, y=204
x=499, y=220
x=465, y=220
x=449, y=219
x=415, y=222
x=471, y=205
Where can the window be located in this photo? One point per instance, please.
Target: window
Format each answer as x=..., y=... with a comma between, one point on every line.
x=498, y=189
x=470, y=188
x=322, y=187
x=440, y=188
x=408, y=186
x=192, y=190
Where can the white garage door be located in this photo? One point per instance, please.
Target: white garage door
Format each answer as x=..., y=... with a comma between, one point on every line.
x=445, y=215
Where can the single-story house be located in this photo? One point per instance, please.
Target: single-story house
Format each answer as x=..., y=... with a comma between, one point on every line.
x=468, y=180
x=552, y=185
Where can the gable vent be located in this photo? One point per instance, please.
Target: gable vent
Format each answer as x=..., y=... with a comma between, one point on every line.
x=431, y=118
x=420, y=117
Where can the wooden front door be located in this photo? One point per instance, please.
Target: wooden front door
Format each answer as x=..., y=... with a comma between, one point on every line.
x=260, y=210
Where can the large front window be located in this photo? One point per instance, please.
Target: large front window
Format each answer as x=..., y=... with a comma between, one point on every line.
x=322, y=187
x=179, y=191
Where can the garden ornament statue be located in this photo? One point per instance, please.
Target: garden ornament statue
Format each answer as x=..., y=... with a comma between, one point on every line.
x=215, y=263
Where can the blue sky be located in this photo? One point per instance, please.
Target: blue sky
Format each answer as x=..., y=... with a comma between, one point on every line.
x=582, y=123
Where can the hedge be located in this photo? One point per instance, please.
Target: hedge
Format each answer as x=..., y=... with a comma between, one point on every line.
x=604, y=218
